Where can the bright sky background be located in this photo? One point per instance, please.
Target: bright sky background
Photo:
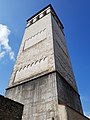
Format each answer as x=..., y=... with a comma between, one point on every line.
x=75, y=16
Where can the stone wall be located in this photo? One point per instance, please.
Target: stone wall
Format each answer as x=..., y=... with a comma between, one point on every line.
x=62, y=60
x=39, y=97
x=67, y=113
x=9, y=109
x=36, y=54
x=67, y=95
x=43, y=54
x=74, y=115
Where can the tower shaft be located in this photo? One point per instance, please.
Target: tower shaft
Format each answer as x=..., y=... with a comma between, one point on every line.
x=42, y=78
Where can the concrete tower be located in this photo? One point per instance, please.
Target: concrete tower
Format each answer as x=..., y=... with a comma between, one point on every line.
x=42, y=78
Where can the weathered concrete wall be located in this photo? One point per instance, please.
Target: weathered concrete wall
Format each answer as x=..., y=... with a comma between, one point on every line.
x=62, y=113
x=62, y=60
x=67, y=113
x=74, y=115
x=67, y=95
x=36, y=54
x=10, y=110
x=43, y=52
x=39, y=97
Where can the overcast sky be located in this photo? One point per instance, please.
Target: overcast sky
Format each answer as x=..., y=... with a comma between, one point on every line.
x=75, y=16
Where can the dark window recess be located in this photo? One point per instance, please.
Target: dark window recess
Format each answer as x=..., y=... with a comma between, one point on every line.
x=44, y=13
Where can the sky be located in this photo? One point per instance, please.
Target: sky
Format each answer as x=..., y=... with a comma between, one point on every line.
x=75, y=16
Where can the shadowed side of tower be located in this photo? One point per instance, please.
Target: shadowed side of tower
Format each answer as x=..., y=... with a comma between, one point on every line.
x=42, y=78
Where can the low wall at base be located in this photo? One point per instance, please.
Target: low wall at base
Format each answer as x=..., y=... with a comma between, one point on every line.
x=74, y=115
x=67, y=113
x=9, y=109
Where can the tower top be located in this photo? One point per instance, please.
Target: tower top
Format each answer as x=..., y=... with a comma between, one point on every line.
x=48, y=9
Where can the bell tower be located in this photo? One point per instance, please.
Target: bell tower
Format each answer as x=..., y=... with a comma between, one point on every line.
x=42, y=77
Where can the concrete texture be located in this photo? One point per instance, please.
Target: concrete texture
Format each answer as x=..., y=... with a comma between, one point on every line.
x=39, y=97
x=62, y=60
x=67, y=113
x=42, y=77
x=36, y=54
x=67, y=95
x=43, y=46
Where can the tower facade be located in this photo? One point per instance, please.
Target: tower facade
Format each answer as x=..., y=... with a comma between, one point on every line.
x=42, y=78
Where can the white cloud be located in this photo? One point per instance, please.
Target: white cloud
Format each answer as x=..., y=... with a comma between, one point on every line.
x=2, y=55
x=4, y=42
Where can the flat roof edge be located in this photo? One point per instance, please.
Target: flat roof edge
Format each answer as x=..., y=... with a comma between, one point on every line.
x=43, y=10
